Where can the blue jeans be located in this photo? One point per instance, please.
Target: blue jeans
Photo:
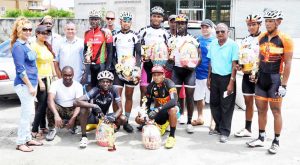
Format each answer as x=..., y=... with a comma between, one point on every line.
x=27, y=107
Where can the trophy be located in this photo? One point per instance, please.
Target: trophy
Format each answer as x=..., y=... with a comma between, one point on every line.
x=144, y=52
x=88, y=53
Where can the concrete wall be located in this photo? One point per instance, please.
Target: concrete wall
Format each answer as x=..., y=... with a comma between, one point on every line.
x=81, y=24
x=140, y=9
x=241, y=8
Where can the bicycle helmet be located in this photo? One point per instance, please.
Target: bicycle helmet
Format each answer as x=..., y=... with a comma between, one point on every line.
x=182, y=18
x=252, y=18
x=125, y=16
x=105, y=75
x=94, y=14
x=157, y=69
x=157, y=10
x=273, y=14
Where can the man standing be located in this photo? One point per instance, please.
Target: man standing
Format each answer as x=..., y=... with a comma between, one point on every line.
x=150, y=36
x=275, y=55
x=70, y=52
x=202, y=94
x=127, y=51
x=185, y=53
x=62, y=94
x=223, y=55
x=97, y=47
x=110, y=22
x=248, y=59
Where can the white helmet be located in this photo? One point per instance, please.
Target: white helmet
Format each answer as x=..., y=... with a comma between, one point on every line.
x=273, y=14
x=105, y=75
x=95, y=14
x=254, y=18
x=125, y=15
x=157, y=10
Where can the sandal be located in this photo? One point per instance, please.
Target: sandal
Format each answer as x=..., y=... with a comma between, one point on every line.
x=197, y=122
x=37, y=135
x=34, y=143
x=24, y=148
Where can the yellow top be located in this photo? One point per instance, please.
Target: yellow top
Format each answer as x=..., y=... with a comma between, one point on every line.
x=44, y=59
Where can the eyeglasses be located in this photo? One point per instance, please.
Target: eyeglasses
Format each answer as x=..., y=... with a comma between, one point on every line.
x=27, y=29
x=221, y=31
x=108, y=18
x=47, y=23
x=45, y=33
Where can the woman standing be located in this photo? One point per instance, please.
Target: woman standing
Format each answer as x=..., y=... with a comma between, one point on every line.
x=26, y=80
x=46, y=73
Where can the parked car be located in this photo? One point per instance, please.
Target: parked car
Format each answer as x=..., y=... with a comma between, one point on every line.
x=7, y=71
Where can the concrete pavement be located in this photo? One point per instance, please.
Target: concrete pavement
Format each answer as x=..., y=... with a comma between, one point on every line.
x=198, y=148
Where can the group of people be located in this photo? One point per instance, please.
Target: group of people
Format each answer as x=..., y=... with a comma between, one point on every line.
x=75, y=81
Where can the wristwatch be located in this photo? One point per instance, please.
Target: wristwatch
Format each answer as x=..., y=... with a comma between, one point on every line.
x=232, y=78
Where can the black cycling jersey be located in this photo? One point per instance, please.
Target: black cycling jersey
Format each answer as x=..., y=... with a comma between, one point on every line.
x=103, y=98
x=165, y=94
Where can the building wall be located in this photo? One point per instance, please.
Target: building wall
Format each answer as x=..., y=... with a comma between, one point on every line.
x=241, y=8
x=139, y=8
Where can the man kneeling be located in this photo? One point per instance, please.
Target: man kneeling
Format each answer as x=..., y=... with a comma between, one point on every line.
x=100, y=99
x=163, y=92
x=61, y=96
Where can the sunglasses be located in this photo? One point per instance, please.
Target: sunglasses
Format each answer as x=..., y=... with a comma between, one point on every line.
x=45, y=33
x=27, y=29
x=108, y=18
x=221, y=31
x=47, y=23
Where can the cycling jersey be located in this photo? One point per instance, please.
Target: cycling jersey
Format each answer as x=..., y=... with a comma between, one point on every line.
x=149, y=36
x=127, y=44
x=103, y=98
x=101, y=45
x=249, y=51
x=271, y=53
x=161, y=93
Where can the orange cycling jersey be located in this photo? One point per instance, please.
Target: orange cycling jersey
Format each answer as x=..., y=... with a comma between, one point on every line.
x=271, y=53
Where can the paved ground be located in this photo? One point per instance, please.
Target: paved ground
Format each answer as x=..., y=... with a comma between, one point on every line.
x=197, y=148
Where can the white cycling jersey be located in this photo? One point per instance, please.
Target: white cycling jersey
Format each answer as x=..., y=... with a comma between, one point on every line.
x=149, y=35
x=125, y=43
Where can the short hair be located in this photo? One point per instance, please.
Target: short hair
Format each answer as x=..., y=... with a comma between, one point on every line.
x=66, y=68
x=70, y=23
x=223, y=25
x=111, y=12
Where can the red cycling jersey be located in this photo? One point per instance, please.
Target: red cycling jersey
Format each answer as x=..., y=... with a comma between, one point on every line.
x=99, y=40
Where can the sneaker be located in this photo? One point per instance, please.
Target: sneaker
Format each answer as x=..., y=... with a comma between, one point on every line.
x=117, y=128
x=223, y=139
x=83, y=142
x=256, y=143
x=243, y=133
x=274, y=148
x=51, y=134
x=128, y=128
x=214, y=132
x=182, y=119
x=163, y=128
x=170, y=143
x=76, y=130
x=140, y=127
x=190, y=128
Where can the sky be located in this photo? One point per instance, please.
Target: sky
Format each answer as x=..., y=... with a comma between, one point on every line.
x=60, y=3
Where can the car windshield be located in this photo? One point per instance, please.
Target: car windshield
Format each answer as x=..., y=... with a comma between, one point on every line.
x=5, y=49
